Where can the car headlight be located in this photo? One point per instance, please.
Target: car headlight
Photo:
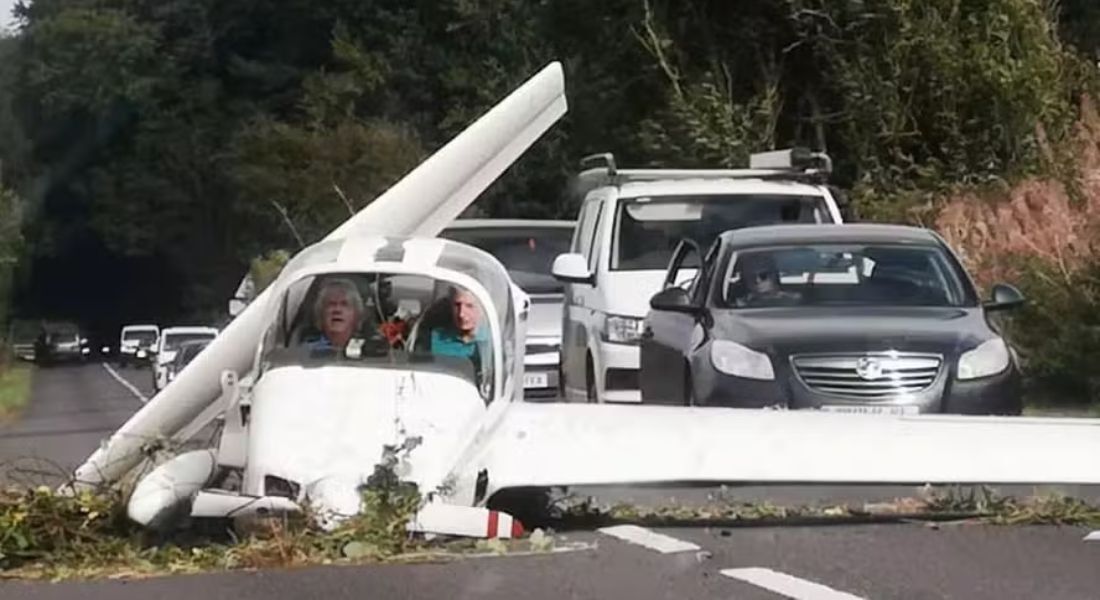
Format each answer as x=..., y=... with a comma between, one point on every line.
x=623, y=330
x=734, y=359
x=990, y=358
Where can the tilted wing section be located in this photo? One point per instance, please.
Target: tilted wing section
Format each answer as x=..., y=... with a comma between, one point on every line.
x=420, y=204
x=548, y=445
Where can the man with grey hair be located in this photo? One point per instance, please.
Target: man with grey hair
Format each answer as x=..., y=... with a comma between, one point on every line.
x=337, y=312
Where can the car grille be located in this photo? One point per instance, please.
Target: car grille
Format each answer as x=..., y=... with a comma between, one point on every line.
x=843, y=375
x=542, y=348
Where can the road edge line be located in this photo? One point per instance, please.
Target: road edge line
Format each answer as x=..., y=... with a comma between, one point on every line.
x=786, y=585
x=126, y=384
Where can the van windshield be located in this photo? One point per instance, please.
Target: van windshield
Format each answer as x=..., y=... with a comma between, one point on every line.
x=647, y=230
x=144, y=336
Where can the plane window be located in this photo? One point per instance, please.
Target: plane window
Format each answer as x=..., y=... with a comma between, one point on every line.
x=381, y=320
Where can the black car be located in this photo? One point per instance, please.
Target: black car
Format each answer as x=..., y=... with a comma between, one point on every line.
x=58, y=342
x=186, y=353
x=852, y=318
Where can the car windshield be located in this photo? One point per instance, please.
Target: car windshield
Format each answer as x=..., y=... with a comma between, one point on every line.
x=527, y=252
x=844, y=275
x=144, y=337
x=647, y=230
x=62, y=330
x=172, y=341
x=189, y=351
x=24, y=331
x=383, y=321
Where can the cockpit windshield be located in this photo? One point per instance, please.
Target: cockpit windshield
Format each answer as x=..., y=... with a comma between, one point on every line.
x=383, y=320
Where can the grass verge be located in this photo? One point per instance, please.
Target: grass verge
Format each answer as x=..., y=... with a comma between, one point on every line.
x=15, y=390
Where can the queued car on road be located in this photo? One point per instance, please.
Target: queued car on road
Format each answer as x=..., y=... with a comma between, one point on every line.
x=22, y=334
x=629, y=223
x=848, y=318
x=60, y=342
x=184, y=355
x=168, y=346
x=527, y=249
x=137, y=344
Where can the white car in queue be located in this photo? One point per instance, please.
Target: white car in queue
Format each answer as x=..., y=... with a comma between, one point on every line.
x=527, y=249
x=170, y=340
x=630, y=222
x=137, y=344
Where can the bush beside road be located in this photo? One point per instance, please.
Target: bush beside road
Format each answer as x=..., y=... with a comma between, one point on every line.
x=15, y=389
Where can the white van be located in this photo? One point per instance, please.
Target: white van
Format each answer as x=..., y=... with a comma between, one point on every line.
x=136, y=344
x=170, y=340
x=628, y=225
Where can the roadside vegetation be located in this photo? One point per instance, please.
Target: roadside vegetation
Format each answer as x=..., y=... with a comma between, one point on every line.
x=15, y=389
x=46, y=535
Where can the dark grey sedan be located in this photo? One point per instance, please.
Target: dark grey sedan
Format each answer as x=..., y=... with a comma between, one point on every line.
x=851, y=318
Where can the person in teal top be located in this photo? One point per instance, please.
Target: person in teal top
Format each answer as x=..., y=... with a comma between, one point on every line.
x=466, y=336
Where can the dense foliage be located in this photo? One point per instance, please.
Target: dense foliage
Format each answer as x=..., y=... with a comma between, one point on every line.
x=161, y=145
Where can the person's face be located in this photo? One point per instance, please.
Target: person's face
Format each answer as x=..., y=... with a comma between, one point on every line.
x=763, y=281
x=465, y=312
x=338, y=317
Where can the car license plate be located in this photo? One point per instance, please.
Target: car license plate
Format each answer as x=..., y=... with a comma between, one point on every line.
x=535, y=380
x=871, y=410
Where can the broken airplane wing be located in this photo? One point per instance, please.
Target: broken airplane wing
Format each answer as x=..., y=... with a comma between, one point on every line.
x=546, y=445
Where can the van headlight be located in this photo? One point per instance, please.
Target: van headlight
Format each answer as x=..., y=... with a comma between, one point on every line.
x=623, y=330
x=734, y=359
x=990, y=358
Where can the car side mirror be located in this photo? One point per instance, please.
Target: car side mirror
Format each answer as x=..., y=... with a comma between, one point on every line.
x=572, y=268
x=1005, y=297
x=674, y=299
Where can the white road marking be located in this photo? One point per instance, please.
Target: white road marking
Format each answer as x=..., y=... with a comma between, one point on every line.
x=1093, y=537
x=126, y=384
x=787, y=585
x=644, y=537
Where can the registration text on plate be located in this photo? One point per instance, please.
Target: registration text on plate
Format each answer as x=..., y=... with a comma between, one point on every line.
x=536, y=380
x=870, y=409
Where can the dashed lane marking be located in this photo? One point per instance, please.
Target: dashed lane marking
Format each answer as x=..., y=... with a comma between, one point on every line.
x=787, y=585
x=1093, y=536
x=126, y=384
x=652, y=540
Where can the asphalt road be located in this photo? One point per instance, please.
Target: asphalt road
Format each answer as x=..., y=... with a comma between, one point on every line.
x=74, y=407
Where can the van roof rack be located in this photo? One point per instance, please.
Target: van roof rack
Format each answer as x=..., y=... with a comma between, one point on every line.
x=799, y=164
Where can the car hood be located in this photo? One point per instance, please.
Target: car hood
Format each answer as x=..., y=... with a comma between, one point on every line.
x=795, y=330
x=544, y=319
x=630, y=291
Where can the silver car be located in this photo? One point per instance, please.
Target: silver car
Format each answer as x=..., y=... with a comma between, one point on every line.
x=527, y=248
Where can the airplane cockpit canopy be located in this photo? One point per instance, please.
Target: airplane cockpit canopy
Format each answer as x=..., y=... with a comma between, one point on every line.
x=424, y=304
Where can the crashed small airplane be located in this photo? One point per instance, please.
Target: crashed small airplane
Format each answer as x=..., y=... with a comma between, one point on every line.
x=306, y=419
